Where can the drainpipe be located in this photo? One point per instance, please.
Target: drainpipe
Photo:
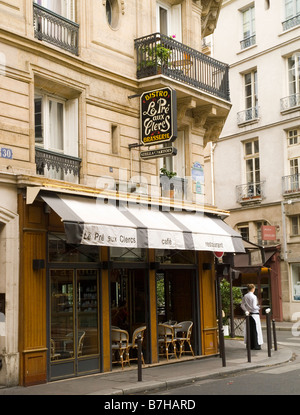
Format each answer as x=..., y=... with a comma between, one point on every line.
x=212, y=149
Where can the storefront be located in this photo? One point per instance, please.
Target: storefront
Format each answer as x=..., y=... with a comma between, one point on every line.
x=90, y=264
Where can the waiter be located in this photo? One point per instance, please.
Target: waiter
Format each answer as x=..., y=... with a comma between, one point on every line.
x=249, y=303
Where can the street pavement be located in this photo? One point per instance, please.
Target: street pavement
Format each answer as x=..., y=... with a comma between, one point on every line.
x=162, y=377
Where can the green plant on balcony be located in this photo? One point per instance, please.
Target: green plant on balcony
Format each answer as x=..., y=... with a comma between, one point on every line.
x=154, y=56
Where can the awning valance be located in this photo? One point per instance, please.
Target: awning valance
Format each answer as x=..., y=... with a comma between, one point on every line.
x=92, y=221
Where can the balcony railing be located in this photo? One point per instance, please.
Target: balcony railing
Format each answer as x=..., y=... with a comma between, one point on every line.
x=291, y=184
x=159, y=54
x=60, y=163
x=55, y=29
x=247, y=42
x=292, y=22
x=290, y=102
x=249, y=192
x=248, y=115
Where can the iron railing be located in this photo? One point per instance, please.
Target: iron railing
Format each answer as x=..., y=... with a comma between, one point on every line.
x=160, y=54
x=290, y=102
x=250, y=114
x=249, y=192
x=248, y=41
x=292, y=22
x=46, y=159
x=55, y=29
x=291, y=184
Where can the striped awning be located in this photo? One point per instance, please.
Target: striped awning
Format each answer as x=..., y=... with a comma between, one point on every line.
x=97, y=221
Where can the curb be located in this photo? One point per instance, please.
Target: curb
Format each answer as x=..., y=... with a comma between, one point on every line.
x=149, y=386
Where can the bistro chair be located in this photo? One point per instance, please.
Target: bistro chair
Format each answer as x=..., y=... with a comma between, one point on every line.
x=134, y=345
x=54, y=355
x=120, y=341
x=80, y=344
x=165, y=340
x=183, y=335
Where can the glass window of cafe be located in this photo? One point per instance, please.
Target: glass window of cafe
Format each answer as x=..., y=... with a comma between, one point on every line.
x=74, y=299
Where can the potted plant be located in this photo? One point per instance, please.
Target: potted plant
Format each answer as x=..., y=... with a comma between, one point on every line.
x=225, y=297
x=157, y=56
x=170, y=186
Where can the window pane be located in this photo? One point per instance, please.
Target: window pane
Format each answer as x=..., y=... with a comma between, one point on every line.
x=248, y=148
x=56, y=125
x=61, y=298
x=87, y=300
x=38, y=120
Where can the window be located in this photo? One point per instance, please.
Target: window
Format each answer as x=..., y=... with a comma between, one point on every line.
x=292, y=14
x=56, y=136
x=252, y=168
x=293, y=137
x=293, y=74
x=295, y=274
x=168, y=20
x=250, y=114
x=248, y=26
x=295, y=223
x=244, y=231
x=64, y=8
x=251, y=99
x=294, y=175
x=112, y=13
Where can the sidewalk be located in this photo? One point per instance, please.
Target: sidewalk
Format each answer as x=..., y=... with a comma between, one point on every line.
x=164, y=376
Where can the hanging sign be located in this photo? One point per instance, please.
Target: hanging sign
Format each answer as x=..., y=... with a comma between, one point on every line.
x=161, y=152
x=158, y=116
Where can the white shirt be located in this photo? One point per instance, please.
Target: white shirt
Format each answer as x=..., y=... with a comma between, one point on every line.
x=249, y=303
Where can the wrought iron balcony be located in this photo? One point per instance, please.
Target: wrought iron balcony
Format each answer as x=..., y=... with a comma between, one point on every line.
x=62, y=164
x=249, y=192
x=289, y=102
x=291, y=184
x=292, y=22
x=248, y=115
x=247, y=42
x=159, y=54
x=55, y=29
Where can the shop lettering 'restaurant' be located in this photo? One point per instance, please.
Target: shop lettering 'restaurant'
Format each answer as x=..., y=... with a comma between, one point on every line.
x=158, y=121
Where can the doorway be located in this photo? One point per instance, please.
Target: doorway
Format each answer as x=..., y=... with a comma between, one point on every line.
x=129, y=305
x=74, y=332
x=177, y=300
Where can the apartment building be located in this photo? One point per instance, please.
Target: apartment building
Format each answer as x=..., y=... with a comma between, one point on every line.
x=256, y=161
x=96, y=98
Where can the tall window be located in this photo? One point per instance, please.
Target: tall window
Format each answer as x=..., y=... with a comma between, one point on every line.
x=252, y=168
x=248, y=18
x=292, y=8
x=251, y=99
x=56, y=130
x=168, y=20
x=294, y=74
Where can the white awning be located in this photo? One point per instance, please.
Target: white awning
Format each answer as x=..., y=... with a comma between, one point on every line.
x=91, y=221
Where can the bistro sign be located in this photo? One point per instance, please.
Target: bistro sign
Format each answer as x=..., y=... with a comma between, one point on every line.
x=158, y=116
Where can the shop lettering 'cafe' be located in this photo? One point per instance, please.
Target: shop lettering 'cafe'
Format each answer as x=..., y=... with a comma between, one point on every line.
x=117, y=266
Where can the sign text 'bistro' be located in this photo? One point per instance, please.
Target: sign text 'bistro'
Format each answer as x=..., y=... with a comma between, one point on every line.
x=158, y=116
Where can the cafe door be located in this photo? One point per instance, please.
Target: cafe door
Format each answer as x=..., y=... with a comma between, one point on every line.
x=74, y=336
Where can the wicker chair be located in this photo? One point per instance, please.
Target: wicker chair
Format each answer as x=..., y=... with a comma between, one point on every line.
x=165, y=340
x=133, y=346
x=120, y=341
x=183, y=335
